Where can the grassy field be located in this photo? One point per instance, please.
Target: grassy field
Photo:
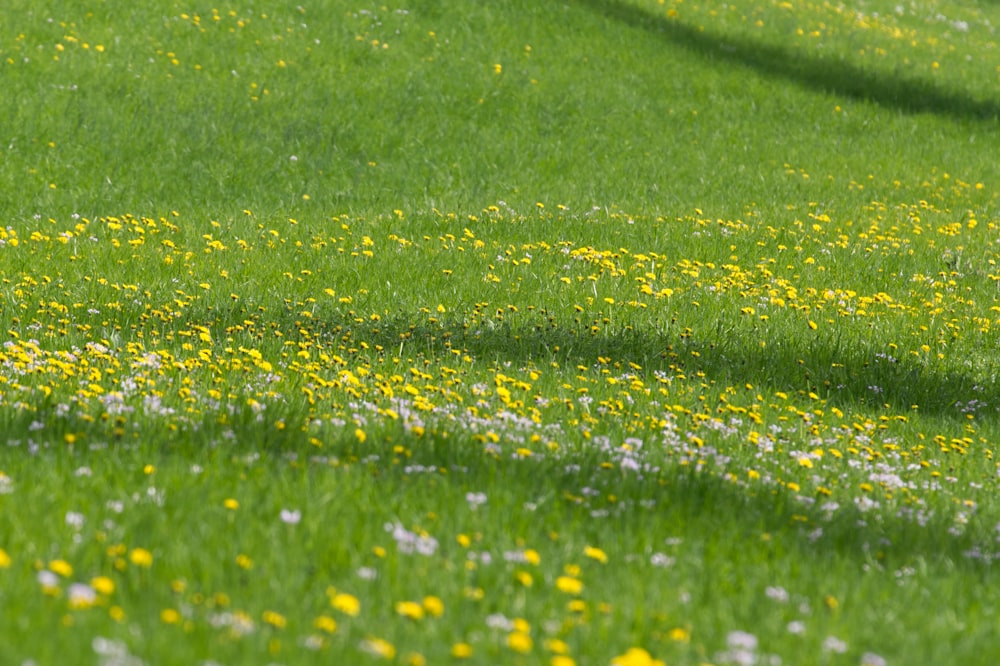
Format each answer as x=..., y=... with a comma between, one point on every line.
x=613, y=332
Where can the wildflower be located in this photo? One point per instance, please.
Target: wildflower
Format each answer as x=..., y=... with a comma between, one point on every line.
x=797, y=627
x=231, y=504
x=276, y=620
x=347, y=604
x=461, y=650
x=4, y=559
x=595, y=554
x=379, y=647
x=872, y=659
x=679, y=634
x=562, y=660
x=81, y=595
x=519, y=642
x=741, y=640
x=291, y=517
x=141, y=557
x=170, y=616
x=49, y=581
x=61, y=567
x=103, y=585
x=636, y=657
x=569, y=585
x=834, y=644
x=433, y=605
x=325, y=623
x=410, y=609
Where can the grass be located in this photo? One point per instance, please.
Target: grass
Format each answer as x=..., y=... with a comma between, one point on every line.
x=596, y=332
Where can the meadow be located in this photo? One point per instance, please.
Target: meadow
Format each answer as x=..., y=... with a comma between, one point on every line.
x=612, y=332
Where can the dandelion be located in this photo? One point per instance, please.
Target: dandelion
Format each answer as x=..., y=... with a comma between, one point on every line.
x=347, y=604
x=379, y=647
x=595, y=554
x=276, y=620
x=170, y=616
x=519, y=641
x=4, y=559
x=141, y=557
x=433, y=605
x=410, y=609
x=61, y=567
x=636, y=656
x=325, y=623
x=569, y=585
x=103, y=585
x=461, y=650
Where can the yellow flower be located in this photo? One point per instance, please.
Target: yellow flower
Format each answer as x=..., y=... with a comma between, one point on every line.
x=461, y=650
x=410, y=609
x=679, y=634
x=325, y=623
x=231, y=504
x=4, y=559
x=556, y=645
x=103, y=585
x=276, y=620
x=531, y=556
x=636, y=657
x=562, y=660
x=433, y=605
x=170, y=616
x=141, y=557
x=595, y=554
x=569, y=585
x=520, y=642
x=61, y=567
x=380, y=648
x=347, y=604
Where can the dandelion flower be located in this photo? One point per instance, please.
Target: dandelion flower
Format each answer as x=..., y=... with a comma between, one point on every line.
x=636, y=657
x=569, y=585
x=347, y=604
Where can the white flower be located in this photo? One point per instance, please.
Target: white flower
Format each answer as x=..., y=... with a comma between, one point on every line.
x=872, y=659
x=291, y=516
x=81, y=594
x=741, y=640
x=834, y=644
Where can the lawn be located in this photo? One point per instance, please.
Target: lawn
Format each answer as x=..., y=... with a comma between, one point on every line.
x=613, y=332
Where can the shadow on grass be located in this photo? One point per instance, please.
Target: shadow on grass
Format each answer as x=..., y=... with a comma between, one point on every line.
x=849, y=375
x=907, y=94
x=750, y=524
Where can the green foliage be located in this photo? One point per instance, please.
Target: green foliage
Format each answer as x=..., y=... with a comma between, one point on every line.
x=598, y=331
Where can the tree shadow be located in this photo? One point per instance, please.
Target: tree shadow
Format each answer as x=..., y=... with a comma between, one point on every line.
x=852, y=376
x=906, y=94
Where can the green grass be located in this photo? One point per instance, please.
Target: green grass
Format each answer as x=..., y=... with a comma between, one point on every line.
x=543, y=332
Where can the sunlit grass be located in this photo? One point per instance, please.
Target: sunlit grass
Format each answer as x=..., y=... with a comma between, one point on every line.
x=564, y=333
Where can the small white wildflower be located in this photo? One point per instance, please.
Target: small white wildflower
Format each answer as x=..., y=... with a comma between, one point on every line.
x=75, y=519
x=741, y=640
x=834, y=644
x=872, y=659
x=475, y=500
x=291, y=516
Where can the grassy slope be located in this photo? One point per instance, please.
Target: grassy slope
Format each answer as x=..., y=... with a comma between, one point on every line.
x=614, y=104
